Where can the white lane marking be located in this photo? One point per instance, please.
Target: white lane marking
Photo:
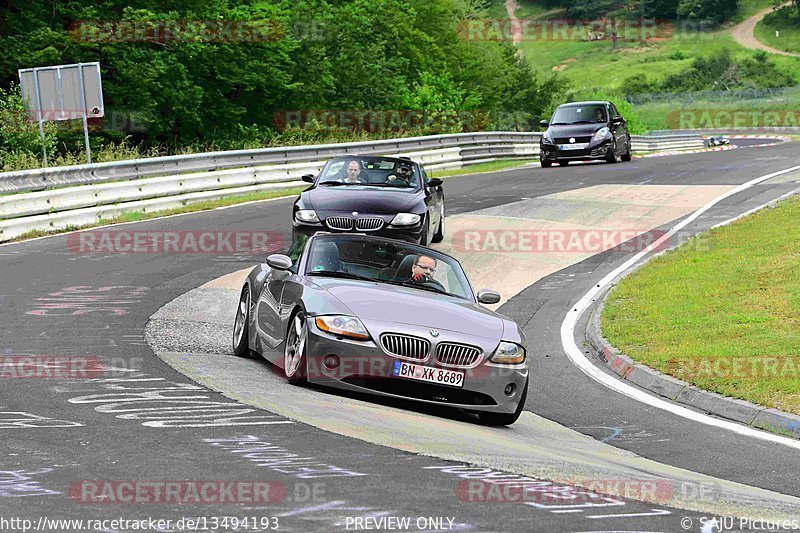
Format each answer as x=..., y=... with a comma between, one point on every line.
x=655, y=512
x=587, y=367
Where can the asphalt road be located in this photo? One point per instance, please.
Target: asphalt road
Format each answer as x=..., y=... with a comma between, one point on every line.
x=61, y=432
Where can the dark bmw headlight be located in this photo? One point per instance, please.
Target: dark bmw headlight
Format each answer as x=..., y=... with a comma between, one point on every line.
x=547, y=138
x=405, y=219
x=508, y=353
x=308, y=216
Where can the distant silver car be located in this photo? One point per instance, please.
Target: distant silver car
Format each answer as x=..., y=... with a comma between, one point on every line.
x=718, y=141
x=376, y=315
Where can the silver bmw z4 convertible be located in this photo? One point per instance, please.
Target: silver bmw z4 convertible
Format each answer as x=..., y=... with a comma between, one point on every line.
x=380, y=316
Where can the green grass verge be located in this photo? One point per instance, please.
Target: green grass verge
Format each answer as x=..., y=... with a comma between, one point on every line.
x=786, y=24
x=722, y=311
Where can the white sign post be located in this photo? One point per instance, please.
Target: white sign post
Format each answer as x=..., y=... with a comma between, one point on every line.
x=63, y=92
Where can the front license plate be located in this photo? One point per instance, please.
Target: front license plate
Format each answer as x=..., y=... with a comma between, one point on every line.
x=428, y=374
x=577, y=146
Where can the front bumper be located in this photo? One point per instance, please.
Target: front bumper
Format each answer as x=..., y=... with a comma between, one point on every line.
x=364, y=367
x=411, y=234
x=595, y=150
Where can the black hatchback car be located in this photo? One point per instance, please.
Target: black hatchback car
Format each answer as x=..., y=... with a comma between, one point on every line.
x=386, y=196
x=582, y=131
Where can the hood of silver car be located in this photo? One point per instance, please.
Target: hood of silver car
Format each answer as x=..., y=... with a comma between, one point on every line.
x=405, y=305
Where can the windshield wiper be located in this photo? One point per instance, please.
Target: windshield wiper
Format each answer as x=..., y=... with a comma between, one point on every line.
x=337, y=183
x=338, y=274
x=387, y=185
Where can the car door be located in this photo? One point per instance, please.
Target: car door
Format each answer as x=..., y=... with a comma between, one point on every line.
x=270, y=309
x=269, y=306
x=433, y=201
x=293, y=286
x=619, y=130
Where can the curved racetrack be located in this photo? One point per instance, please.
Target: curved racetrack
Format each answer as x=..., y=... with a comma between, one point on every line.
x=343, y=458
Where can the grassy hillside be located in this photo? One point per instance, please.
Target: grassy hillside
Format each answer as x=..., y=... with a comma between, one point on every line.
x=784, y=22
x=593, y=68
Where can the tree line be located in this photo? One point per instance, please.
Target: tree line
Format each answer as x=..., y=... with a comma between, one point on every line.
x=229, y=73
x=703, y=11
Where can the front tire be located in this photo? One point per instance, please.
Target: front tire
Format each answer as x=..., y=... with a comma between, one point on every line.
x=294, y=353
x=627, y=156
x=546, y=164
x=611, y=157
x=423, y=239
x=439, y=235
x=505, y=419
x=241, y=326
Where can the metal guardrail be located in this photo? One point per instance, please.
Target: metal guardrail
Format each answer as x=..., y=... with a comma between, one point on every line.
x=766, y=130
x=41, y=179
x=85, y=194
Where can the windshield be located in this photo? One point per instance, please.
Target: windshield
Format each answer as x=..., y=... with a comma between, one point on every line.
x=370, y=171
x=394, y=263
x=587, y=114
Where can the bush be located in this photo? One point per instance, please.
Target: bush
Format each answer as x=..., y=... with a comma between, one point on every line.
x=707, y=10
x=721, y=71
x=637, y=84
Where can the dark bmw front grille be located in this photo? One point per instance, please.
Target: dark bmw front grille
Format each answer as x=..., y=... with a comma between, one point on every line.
x=340, y=223
x=460, y=355
x=405, y=346
x=565, y=140
x=369, y=224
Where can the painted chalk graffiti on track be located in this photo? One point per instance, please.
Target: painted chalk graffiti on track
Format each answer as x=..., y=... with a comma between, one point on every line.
x=159, y=403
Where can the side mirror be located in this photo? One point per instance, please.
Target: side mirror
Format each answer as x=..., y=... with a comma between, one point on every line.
x=617, y=120
x=544, y=123
x=488, y=296
x=308, y=178
x=279, y=262
x=435, y=182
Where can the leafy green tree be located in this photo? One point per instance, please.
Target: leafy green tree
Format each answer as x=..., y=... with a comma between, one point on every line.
x=707, y=10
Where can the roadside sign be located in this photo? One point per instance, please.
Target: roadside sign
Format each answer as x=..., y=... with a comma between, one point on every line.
x=63, y=92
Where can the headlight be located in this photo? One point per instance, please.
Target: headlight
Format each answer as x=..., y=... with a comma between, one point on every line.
x=547, y=138
x=405, y=219
x=306, y=215
x=346, y=326
x=508, y=353
x=602, y=133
